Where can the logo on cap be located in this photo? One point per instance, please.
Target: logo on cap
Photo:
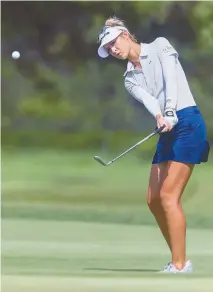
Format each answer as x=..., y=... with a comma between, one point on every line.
x=102, y=34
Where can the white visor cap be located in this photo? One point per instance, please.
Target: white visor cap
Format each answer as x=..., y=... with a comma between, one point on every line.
x=108, y=35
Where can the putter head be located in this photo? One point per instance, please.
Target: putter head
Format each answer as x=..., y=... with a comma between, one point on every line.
x=97, y=158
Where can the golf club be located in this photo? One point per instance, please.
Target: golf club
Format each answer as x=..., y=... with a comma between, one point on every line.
x=100, y=160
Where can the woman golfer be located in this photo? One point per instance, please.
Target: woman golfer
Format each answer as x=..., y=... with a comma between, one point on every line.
x=155, y=77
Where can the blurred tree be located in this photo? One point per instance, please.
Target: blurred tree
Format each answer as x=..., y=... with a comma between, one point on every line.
x=202, y=19
x=60, y=83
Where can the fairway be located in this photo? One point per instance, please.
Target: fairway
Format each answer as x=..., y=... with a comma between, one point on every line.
x=69, y=224
x=66, y=256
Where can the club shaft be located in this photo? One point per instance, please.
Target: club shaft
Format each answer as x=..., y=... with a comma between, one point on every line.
x=137, y=144
x=134, y=146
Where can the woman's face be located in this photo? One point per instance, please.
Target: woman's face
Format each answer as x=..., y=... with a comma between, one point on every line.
x=120, y=47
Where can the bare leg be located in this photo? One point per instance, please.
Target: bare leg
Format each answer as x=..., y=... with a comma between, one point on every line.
x=157, y=174
x=171, y=191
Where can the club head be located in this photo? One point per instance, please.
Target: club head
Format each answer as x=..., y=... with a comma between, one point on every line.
x=97, y=158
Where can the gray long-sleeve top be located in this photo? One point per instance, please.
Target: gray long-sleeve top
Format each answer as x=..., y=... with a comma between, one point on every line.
x=161, y=84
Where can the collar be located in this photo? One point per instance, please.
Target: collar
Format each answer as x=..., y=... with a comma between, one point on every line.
x=144, y=50
x=143, y=53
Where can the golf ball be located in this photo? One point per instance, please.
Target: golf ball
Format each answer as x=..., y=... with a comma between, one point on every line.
x=15, y=55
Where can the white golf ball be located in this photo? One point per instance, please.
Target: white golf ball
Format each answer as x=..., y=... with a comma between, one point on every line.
x=15, y=55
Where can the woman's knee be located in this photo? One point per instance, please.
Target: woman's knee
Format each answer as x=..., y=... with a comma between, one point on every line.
x=174, y=184
x=162, y=199
x=156, y=177
x=169, y=200
x=153, y=202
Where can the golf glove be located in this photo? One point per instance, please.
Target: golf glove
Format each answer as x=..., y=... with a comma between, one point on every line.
x=171, y=117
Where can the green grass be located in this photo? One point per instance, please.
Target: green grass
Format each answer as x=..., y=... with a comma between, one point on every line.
x=76, y=256
x=73, y=186
x=69, y=224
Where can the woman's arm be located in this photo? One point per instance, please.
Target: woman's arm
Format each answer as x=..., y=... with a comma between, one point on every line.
x=168, y=59
x=150, y=102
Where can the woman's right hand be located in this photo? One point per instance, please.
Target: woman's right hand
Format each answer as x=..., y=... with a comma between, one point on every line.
x=161, y=121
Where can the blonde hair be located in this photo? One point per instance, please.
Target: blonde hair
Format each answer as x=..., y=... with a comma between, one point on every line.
x=114, y=21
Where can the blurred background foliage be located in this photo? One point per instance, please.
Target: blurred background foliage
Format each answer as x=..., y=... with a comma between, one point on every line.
x=60, y=94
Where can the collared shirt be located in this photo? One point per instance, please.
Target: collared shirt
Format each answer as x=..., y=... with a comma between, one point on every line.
x=161, y=83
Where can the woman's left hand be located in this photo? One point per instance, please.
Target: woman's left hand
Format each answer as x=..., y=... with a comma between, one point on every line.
x=171, y=118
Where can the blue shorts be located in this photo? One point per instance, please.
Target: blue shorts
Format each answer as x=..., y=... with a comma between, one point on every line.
x=186, y=142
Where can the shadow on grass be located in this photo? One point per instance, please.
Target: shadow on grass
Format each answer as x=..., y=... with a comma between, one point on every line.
x=123, y=270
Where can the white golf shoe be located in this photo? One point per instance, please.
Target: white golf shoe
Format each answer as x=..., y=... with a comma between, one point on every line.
x=170, y=268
